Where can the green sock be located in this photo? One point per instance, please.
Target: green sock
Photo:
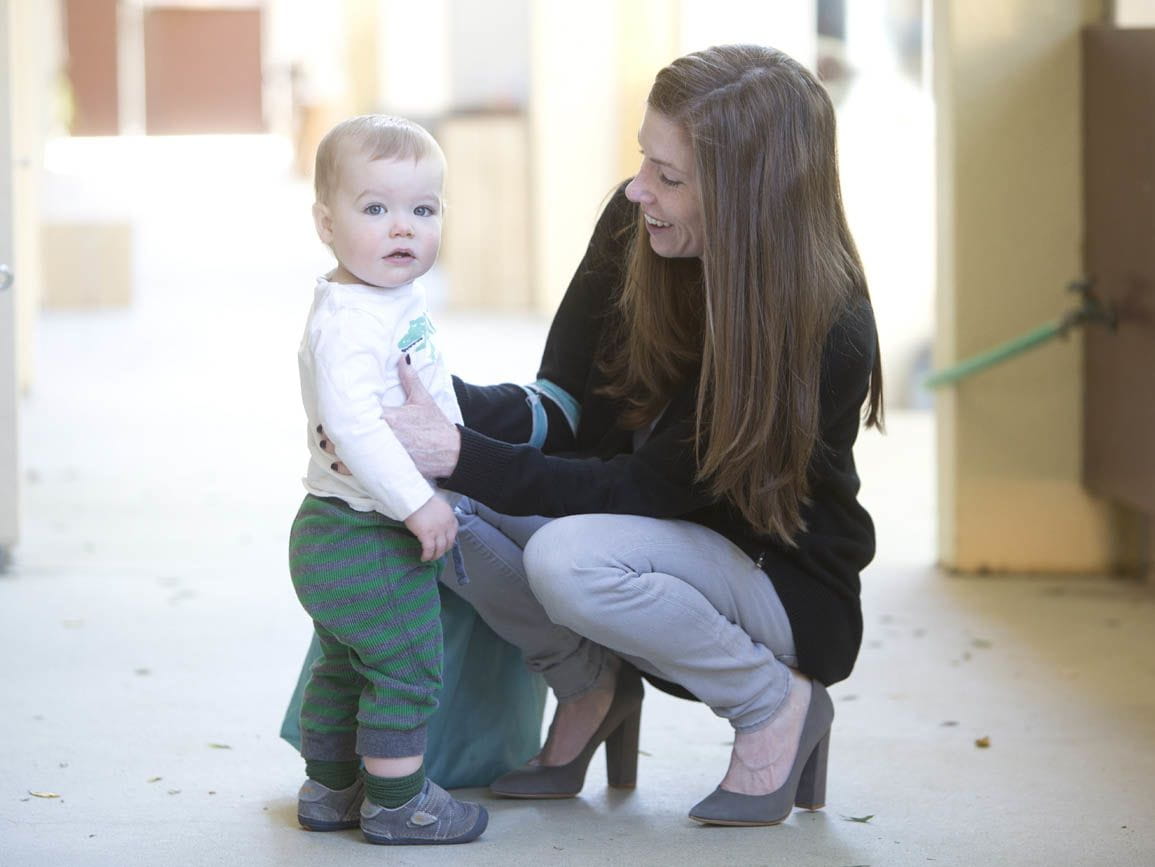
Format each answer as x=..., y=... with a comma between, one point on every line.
x=335, y=775
x=392, y=792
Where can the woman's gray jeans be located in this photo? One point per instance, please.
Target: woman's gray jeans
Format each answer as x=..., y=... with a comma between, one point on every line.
x=673, y=598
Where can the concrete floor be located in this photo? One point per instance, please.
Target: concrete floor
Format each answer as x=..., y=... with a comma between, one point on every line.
x=151, y=637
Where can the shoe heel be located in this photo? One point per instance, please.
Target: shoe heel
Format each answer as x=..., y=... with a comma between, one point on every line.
x=622, y=752
x=811, y=792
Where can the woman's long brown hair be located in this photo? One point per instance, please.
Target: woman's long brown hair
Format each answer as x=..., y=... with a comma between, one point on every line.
x=779, y=266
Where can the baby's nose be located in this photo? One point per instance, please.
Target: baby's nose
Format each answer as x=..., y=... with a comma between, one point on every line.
x=402, y=229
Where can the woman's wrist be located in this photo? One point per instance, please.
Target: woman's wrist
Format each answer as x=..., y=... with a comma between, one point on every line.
x=451, y=452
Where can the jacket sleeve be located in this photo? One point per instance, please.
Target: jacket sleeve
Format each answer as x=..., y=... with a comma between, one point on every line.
x=657, y=481
x=574, y=335
x=506, y=412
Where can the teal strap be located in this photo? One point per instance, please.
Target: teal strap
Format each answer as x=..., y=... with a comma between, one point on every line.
x=568, y=405
x=540, y=421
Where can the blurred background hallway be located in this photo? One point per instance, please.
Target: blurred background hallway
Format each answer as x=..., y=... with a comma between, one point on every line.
x=151, y=633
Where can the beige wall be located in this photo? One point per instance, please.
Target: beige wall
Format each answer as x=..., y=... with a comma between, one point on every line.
x=1009, y=239
x=33, y=58
x=574, y=134
x=637, y=66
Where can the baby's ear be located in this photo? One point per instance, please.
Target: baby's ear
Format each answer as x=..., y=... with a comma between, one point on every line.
x=323, y=221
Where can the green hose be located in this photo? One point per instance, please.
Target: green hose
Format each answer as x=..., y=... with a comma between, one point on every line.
x=1090, y=311
x=998, y=354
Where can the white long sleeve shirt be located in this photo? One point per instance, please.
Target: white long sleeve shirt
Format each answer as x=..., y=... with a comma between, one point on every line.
x=353, y=340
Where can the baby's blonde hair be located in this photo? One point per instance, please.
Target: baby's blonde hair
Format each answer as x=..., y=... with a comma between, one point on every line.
x=380, y=136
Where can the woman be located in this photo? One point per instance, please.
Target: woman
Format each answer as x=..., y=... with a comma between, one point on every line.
x=699, y=395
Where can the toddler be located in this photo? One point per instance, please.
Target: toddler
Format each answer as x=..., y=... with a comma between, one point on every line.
x=366, y=549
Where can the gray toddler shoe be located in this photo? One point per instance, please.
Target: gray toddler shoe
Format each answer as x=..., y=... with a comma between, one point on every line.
x=320, y=808
x=430, y=816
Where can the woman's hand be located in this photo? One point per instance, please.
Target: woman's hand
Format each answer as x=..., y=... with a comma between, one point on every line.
x=432, y=440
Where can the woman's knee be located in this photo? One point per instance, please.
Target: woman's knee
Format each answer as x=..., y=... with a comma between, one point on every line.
x=567, y=572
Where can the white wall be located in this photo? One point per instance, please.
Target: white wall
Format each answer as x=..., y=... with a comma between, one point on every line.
x=573, y=133
x=1135, y=13
x=788, y=25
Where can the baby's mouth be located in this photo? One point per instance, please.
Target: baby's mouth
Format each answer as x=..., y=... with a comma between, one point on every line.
x=400, y=256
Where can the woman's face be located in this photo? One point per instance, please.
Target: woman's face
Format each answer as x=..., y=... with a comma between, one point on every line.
x=666, y=188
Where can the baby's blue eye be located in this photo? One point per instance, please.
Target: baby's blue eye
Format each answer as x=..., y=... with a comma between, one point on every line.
x=375, y=210
x=424, y=211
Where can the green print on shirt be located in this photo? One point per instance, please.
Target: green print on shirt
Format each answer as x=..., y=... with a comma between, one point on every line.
x=417, y=337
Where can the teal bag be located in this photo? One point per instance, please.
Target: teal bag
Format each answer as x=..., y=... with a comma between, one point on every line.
x=488, y=720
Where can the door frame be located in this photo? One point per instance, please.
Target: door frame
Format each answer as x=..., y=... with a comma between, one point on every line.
x=9, y=475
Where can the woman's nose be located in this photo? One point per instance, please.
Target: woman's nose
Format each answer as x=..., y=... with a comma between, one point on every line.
x=636, y=191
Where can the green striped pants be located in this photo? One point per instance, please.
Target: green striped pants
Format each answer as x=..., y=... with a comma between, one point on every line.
x=376, y=610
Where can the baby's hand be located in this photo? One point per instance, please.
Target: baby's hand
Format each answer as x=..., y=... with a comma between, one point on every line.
x=435, y=527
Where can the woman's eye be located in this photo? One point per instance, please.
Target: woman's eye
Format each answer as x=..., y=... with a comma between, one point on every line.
x=374, y=210
x=669, y=182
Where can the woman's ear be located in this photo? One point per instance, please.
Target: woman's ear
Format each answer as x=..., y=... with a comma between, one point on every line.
x=323, y=221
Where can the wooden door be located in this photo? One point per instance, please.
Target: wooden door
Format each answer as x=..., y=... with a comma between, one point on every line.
x=90, y=36
x=202, y=70
x=1119, y=190
x=9, y=492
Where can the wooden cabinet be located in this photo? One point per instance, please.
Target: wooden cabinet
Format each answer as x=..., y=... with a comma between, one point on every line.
x=486, y=251
x=1119, y=195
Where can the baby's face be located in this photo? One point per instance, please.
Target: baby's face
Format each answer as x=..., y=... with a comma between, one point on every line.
x=384, y=219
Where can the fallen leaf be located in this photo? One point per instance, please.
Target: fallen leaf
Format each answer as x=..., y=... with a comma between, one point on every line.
x=43, y=794
x=155, y=779
x=644, y=753
x=143, y=672
x=981, y=642
x=64, y=764
x=850, y=697
x=862, y=819
x=948, y=723
x=174, y=791
x=211, y=792
x=220, y=746
x=982, y=743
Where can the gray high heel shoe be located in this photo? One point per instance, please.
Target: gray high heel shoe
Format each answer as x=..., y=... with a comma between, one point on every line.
x=805, y=787
x=619, y=730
